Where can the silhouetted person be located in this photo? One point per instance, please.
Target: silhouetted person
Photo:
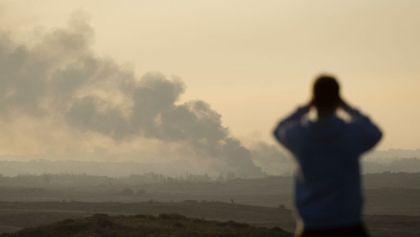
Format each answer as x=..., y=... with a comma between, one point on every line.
x=328, y=193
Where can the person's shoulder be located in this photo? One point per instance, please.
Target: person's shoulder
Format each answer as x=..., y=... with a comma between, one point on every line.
x=345, y=126
x=334, y=121
x=304, y=125
x=342, y=122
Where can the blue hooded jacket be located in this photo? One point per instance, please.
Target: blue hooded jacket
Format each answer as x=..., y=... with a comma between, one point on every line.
x=328, y=191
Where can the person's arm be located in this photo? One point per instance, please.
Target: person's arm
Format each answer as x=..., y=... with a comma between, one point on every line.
x=369, y=133
x=285, y=131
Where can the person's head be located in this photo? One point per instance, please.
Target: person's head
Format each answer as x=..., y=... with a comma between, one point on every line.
x=326, y=94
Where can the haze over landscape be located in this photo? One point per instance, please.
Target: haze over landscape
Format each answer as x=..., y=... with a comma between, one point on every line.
x=197, y=84
x=137, y=107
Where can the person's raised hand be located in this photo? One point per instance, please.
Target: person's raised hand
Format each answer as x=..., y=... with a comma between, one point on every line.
x=309, y=104
x=343, y=104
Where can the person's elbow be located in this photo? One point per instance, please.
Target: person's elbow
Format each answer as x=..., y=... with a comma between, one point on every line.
x=375, y=136
x=285, y=137
x=277, y=134
x=378, y=135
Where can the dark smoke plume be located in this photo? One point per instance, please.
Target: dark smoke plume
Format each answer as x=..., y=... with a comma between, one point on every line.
x=60, y=76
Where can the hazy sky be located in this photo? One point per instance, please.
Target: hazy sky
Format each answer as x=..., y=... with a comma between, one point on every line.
x=253, y=61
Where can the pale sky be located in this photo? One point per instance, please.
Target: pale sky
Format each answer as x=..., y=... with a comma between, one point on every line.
x=253, y=61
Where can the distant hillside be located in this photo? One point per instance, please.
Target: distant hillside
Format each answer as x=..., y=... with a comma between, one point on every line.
x=375, y=162
x=392, y=155
x=147, y=226
x=386, y=193
x=408, y=165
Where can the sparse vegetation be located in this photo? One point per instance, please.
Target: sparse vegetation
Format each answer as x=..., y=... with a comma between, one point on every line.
x=392, y=205
x=164, y=225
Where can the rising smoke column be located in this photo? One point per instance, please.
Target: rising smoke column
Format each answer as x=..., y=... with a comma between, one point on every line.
x=60, y=76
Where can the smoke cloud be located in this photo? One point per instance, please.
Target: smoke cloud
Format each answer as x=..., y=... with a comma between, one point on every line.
x=272, y=159
x=59, y=78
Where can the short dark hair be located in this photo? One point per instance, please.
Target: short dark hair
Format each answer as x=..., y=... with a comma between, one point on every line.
x=326, y=92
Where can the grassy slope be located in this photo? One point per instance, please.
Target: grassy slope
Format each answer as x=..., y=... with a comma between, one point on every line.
x=147, y=226
x=15, y=216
